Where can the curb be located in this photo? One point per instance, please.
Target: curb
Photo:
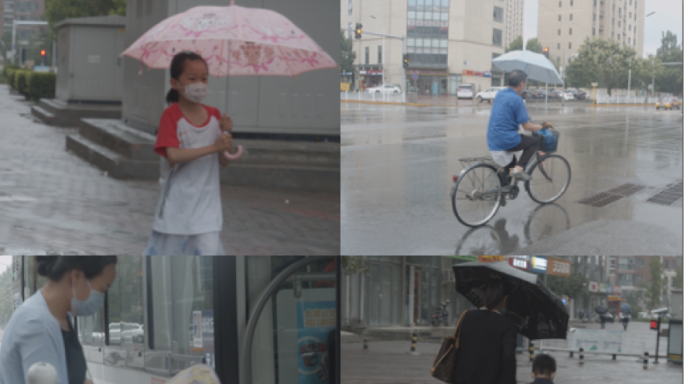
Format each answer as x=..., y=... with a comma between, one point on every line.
x=617, y=105
x=385, y=103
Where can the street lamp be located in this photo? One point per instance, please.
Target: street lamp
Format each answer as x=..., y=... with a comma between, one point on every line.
x=383, y=49
x=629, y=80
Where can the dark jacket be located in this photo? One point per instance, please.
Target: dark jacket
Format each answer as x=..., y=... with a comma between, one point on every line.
x=487, y=349
x=542, y=381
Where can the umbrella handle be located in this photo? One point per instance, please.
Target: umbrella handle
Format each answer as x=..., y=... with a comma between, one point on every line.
x=235, y=155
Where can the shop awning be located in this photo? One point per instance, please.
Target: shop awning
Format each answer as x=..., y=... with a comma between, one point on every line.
x=615, y=298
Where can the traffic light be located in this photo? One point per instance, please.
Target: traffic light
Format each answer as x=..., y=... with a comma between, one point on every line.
x=23, y=55
x=42, y=53
x=546, y=52
x=654, y=325
x=406, y=63
x=359, y=30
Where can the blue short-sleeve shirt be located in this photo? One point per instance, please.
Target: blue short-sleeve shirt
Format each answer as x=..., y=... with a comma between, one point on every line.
x=508, y=112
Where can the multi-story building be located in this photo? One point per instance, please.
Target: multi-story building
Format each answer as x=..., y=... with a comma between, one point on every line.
x=515, y=20
x=22, y=10
x=564, y=24
x=448, y=42
x=633, y=272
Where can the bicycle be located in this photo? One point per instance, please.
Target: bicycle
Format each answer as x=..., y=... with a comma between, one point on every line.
x=486, y=185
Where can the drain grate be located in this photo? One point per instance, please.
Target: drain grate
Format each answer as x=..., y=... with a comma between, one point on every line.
x=626, y=189
x=600, y=199
x=669, y=195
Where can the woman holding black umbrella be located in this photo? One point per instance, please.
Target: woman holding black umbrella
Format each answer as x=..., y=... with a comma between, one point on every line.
x=487, y=342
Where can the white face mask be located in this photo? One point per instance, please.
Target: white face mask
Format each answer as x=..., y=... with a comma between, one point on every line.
x=196, y=91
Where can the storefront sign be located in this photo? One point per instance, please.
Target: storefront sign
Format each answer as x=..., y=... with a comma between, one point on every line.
x=467, y=72
x=477, y=74
x=605, y=288
x=487, y=74
x=371, y=72
x=558, y=267
x=490, y=259
x=519, y=263
x=538, y=264
x=315, y=321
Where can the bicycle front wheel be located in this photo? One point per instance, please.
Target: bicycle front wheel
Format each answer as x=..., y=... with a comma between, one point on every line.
x=550, y=179
x=476, y=195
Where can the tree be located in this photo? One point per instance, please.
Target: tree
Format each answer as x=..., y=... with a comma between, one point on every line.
x=600, y=60
x=677, y=283
x=515, y=45
x=347, y=54
x=58, y=10
x=655, y=286
x=573, y=286
x=533, y=45
x=634, y=299
x=669, y=79
x=352, y=265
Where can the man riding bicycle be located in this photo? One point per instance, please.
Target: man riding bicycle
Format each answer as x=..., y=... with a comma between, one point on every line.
x=508, y=112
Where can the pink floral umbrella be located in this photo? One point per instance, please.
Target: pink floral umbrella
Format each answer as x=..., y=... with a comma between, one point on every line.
x=234, y=41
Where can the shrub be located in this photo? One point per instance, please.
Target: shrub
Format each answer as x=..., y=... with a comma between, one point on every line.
x=10, y=76
x=41, y=85
x=9, y=67
x=20, y=82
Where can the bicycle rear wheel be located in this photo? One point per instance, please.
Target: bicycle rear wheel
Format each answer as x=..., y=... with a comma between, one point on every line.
x=550, y=179
x=473, y=205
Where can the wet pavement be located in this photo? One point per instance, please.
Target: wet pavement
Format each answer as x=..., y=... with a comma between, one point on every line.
x=51, y=201
x=398, y=163
x=390, y=362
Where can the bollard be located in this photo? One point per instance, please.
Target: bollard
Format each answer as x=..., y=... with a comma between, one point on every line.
x=41, y=373
x=414, y=340
x=365, y=344
x=531, y=350
x=581, y=355
x=646, y=360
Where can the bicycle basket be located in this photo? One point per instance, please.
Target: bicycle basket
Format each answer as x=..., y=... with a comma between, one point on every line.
x=548, y=139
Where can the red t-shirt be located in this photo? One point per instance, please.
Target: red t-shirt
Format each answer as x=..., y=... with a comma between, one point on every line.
x=167, y=135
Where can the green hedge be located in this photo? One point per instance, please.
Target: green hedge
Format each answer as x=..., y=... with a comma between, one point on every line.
x=9, y=67
x=41, y=85
x=20, y=85
x=9, y=75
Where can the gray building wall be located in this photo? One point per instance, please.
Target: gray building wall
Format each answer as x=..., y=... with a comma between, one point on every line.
x=308, y=104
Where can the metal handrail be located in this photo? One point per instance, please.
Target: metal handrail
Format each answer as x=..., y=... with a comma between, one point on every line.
x=265, y=296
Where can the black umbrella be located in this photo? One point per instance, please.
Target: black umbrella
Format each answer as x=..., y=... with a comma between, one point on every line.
x=601, y=309
x=626, y=308
x=538, y=312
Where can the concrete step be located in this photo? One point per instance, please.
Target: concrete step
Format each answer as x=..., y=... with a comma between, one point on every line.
x=296, y=154
x=115, y=135
x=115, y=164
x=69, y=114
x=43, y=115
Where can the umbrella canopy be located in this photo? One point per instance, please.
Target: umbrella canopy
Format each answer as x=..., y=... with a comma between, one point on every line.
x=537, y=312
x=626, y=308
x=536, y=66
x=235, y=41
x=601, y=309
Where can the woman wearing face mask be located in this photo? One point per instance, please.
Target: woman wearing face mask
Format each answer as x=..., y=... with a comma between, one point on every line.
x=40, y=330
x=192, y=140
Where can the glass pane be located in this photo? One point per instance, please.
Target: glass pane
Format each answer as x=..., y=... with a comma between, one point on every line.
x=410, y=42
x=445, y=16
x=420, y=15
x=374, y=295
x=125, y=303
x=386, y=295
x=411, y=15
x=182, y=296
x=91, y=329
x=443, y=43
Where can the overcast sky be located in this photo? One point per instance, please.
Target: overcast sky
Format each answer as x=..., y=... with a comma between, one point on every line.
x=5, y=261
x=668, y=16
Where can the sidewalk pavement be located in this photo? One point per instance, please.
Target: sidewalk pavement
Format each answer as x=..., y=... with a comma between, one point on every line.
x=51, y=201
x=388, y=362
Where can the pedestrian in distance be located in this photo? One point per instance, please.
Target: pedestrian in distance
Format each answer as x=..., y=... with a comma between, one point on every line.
x=543, y=369
x=603, y=321
x=508, y=113
x=192, y=140
x=41, y=329
x=487, y=342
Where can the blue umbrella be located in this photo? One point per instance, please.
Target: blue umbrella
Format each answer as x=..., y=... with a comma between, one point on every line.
x=536, y=66
x=625, y=308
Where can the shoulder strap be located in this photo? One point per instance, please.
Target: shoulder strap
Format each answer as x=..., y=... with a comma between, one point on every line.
x=458, y=323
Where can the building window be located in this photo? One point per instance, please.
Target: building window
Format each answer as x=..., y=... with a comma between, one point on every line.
x=638, y=279
x=350, y=28
x=559, y=17
x=569, y=45
x=558, y=46
x=593, y=31
x=594, y=3
x=559, y=32
x=571, y=17
x=626, y=280
x=640, y=262
x=570, y=32
x=666, y=263
x=613, y=7
x=560, y=4
x=630, y=15
x=379, y=54
x=367, y=55
x=630, y=28
x=594, y=17
x=619, y=23
x=571, y=2
x=498, y=14
x=496, y=39
x=351, y=6
x=626, y=264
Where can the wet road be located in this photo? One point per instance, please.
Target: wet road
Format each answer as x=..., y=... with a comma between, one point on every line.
x=388, y=362
x=398, y=163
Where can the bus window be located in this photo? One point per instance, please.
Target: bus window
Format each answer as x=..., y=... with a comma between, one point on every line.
x=125, y=319
x=180, y=289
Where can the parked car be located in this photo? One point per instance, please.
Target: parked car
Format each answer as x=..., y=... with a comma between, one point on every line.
x=554, y=94
x=488, y=94
x=391, y=89
x=669, y=103
x=568, y=95
x=465, y=91
x=578, y=95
